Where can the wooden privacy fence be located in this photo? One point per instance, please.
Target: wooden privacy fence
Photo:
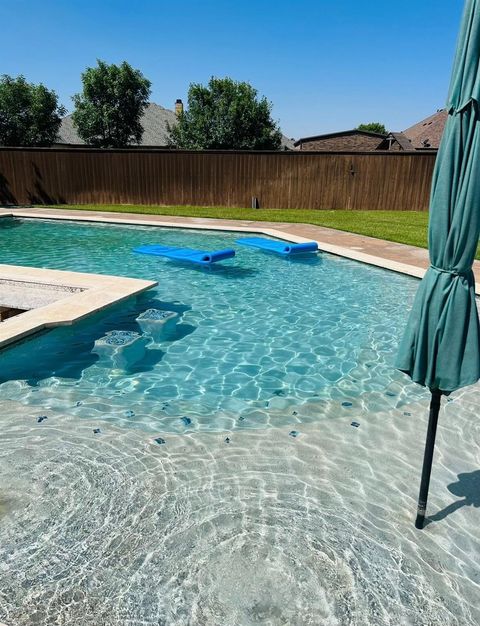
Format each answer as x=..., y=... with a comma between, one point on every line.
x=286, y=180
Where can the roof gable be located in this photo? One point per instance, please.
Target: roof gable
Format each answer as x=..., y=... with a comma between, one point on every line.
x=403, y=142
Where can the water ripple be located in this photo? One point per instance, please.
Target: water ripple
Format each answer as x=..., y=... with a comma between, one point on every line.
x=114, y=529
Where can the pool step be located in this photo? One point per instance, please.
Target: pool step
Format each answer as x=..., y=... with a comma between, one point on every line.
x=157, y=324
x=121, y=349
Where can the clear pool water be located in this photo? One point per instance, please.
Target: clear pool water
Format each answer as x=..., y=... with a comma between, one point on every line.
x=259, y=466
x=259, y=340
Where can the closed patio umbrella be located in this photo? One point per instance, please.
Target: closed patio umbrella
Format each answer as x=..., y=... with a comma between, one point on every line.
x=441, y=345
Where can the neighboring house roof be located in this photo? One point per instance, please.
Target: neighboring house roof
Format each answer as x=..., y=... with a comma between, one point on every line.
x=288, y=144
x=154, y=122
x=342, y=133
x=428, y=132
x=425, y=135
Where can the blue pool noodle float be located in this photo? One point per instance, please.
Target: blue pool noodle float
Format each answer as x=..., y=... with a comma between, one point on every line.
x=199, y=257
x=279, y=247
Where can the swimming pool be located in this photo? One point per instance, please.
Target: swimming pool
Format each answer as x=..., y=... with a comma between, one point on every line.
x=257, y=465
x=260, y=339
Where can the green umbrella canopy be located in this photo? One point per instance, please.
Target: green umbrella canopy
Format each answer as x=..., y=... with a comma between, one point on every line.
x=441, y=345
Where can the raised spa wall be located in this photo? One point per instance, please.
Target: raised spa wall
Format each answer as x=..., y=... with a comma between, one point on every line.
x=33, y=299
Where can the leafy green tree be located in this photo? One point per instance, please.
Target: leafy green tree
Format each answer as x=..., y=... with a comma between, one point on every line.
x=108, y=110
x=225, y=115
x=373, y=127
x=29, y=114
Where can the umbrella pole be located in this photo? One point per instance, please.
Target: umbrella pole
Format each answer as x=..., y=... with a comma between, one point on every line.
x=428, y=456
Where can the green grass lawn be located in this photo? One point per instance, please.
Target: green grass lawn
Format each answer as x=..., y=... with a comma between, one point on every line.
x=408, y=227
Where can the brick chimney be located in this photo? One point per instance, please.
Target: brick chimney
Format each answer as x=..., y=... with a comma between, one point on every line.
x=178, y=106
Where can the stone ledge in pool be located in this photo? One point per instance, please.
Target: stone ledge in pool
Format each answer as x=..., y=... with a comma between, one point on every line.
x=77, y=295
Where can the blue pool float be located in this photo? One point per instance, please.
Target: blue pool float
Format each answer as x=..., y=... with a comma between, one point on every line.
x=279, y=247
x=200, y=257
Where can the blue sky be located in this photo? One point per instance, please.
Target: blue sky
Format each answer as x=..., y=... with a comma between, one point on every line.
x=326, y=65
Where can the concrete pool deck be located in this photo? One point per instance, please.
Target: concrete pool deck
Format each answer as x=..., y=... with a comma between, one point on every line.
x=389, y=255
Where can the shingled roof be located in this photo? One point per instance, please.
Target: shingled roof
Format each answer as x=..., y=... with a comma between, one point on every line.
x=154, y=122
x=341, y=133
x=428, y=132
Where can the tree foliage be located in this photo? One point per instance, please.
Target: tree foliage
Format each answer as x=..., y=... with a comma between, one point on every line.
x=29, y=114
x=225, y=115
x=108, y=110
x=373, y=127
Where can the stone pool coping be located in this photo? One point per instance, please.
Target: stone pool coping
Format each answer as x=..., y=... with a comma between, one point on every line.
x=389, y=255
x=83, y=295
